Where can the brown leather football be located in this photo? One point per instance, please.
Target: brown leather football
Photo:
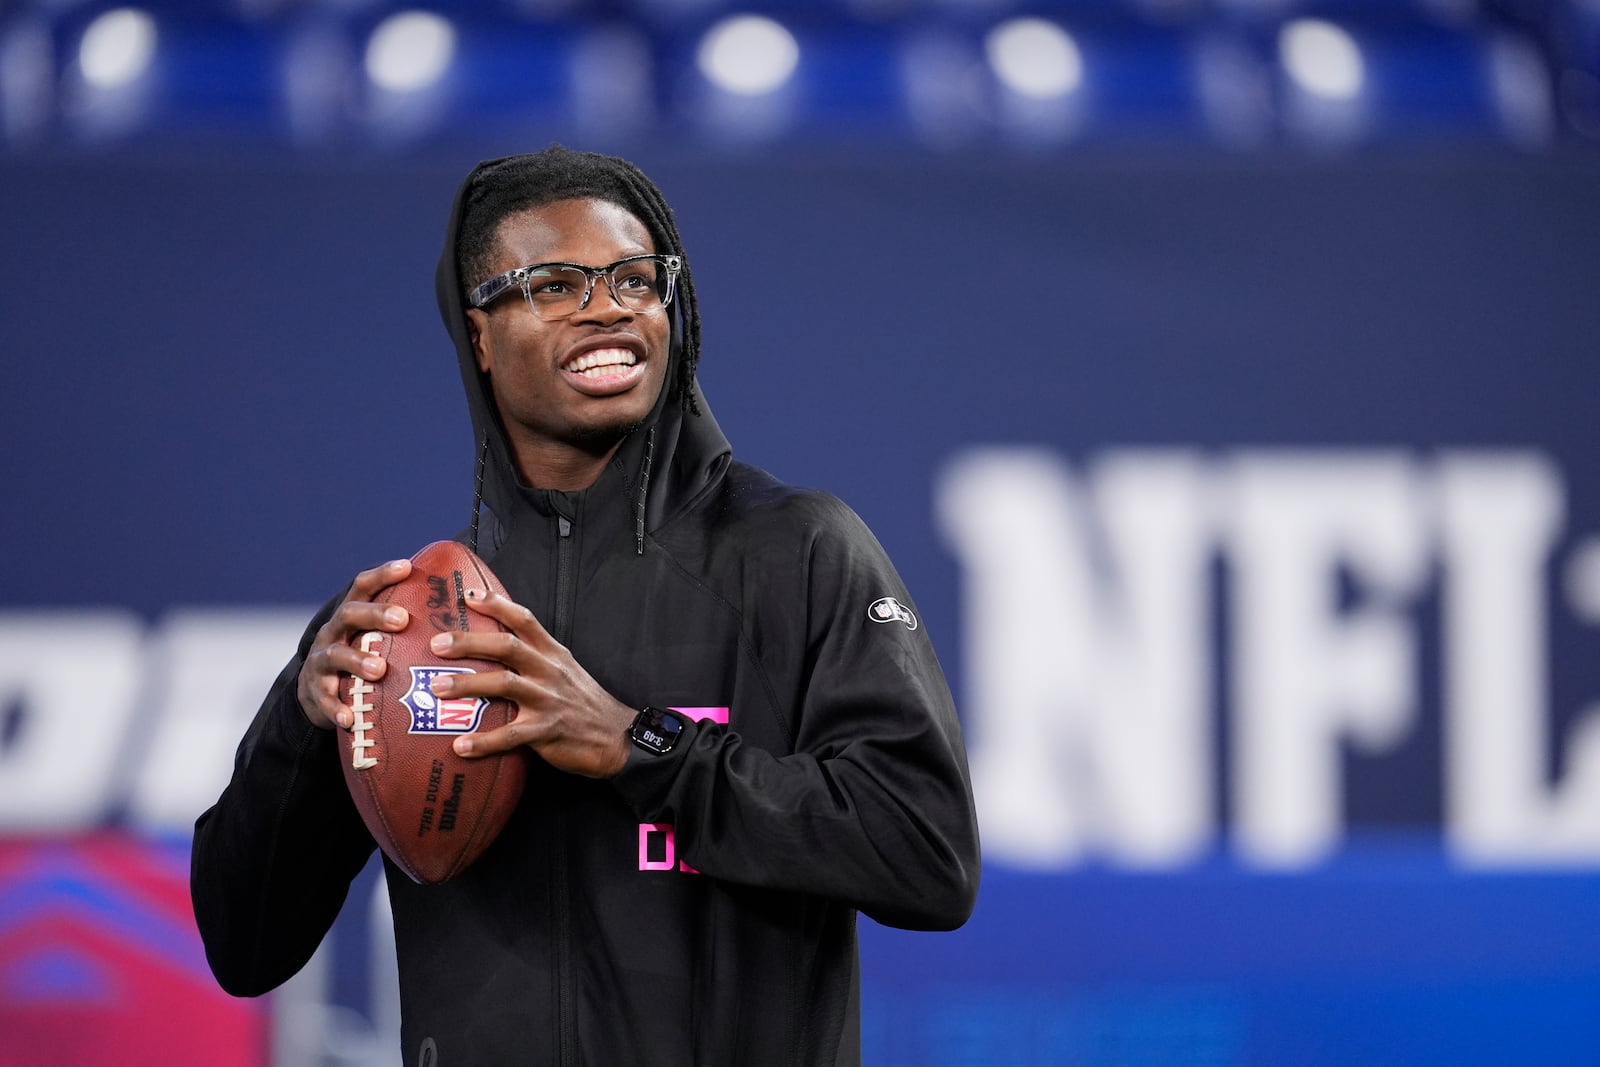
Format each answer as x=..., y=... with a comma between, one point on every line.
x=431, y=811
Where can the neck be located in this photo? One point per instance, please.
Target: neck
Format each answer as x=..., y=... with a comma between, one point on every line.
x=549, y=465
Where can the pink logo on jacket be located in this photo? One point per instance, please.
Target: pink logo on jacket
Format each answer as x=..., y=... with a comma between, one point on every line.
x=658, y=846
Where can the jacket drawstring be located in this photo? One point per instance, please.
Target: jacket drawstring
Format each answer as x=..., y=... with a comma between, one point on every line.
x=477, y=494
x=644, y=488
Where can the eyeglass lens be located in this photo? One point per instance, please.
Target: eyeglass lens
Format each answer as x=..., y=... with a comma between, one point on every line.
x=639, y=285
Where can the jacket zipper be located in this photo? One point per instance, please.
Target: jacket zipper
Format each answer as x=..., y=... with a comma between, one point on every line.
x=566, y=1022
x=564, y=580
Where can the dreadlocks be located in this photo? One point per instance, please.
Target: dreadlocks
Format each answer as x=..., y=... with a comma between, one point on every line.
x=519, y=183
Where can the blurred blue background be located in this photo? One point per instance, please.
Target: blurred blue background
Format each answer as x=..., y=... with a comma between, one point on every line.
x=1221, y=375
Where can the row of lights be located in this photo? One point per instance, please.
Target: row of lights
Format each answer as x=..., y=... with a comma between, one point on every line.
x=748, y=55
x=1028, y=79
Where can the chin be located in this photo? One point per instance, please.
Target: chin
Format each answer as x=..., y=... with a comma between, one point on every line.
x=601, y=436
x=619, y=417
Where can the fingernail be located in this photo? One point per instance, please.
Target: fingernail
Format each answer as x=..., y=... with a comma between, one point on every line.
x=463, y=747
x=372, y=665
x=345, y=719
x=396, y=564
x=394, y=616
x=442, y=684
x=440, y=642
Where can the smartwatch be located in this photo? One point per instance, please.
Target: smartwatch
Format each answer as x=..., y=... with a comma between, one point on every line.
x=656, y=730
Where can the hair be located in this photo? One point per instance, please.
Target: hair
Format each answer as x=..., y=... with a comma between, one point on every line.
x=519, y=183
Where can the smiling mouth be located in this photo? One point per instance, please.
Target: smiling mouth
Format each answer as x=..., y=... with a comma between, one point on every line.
x=602, y=363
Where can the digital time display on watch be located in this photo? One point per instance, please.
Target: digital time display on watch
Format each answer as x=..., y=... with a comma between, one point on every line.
x=656, y=730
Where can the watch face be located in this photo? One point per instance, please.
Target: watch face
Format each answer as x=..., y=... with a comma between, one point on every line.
x=656, y=730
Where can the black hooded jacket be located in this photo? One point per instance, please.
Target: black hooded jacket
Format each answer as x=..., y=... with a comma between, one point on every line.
x=699, y=908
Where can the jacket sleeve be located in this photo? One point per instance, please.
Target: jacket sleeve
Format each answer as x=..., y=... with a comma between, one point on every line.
x=273, y=859
x=874, y=806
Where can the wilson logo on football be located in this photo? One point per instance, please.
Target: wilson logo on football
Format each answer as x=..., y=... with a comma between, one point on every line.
x=432, y=714
x=888, y=609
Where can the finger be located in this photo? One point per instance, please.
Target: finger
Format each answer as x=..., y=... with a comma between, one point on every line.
x=341, y=659
x=359, y=616
x=508, y=613
x=342, y=715
x=528, y=727
x=318, y=695
x=490, y=685
x=371, y=582
x=323, y=679
x=498, y=645
x=524, y=730
x=320, y=710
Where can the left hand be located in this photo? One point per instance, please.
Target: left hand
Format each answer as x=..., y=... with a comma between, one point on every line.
x=562, y=713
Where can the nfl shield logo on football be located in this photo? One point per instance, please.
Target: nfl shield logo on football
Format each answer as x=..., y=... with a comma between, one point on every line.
x=432, y=714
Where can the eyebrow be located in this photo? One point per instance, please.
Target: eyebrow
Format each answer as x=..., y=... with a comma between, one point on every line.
x=548, y=258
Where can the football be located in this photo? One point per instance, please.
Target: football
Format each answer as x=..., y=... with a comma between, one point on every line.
x=431, y=811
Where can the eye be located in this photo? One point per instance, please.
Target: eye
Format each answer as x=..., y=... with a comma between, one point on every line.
x=636, y=276
x=550, y=283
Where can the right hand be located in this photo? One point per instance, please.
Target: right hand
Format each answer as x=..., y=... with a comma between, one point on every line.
x=332, y=656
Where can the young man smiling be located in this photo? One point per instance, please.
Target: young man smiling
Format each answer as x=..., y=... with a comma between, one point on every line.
x=568, y=390
x=744, y=736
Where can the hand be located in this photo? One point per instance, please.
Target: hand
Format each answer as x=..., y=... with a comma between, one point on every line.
x=562, y=713
x=332, y=656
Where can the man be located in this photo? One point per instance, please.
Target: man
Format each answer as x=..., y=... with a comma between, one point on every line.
x=676, y=887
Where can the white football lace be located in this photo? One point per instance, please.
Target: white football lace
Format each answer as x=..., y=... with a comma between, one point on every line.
x=359, y=688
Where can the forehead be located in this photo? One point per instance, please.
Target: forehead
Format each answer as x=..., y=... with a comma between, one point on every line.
x=588, y=231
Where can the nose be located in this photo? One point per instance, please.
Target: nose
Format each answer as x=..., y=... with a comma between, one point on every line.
x=600, y=303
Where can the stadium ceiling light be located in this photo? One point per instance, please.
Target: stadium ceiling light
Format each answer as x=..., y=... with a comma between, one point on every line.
x=1521, y=88
x=748, y=55
x=1035, y=58
x=1322, y=59
x=117, y=47
x=410, y=51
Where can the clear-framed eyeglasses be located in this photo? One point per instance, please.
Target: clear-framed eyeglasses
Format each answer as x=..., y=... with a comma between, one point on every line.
x=556, y=290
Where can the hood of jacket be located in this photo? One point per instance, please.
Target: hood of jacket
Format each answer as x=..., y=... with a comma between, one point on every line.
x=661, y=467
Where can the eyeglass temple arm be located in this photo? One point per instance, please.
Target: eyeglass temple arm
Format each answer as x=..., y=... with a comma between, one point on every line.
x=494, y=287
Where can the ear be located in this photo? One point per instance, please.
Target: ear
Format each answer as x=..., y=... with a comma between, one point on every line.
x=478, y=334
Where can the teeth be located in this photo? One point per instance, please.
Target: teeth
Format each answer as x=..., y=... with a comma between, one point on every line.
x=602, y=357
